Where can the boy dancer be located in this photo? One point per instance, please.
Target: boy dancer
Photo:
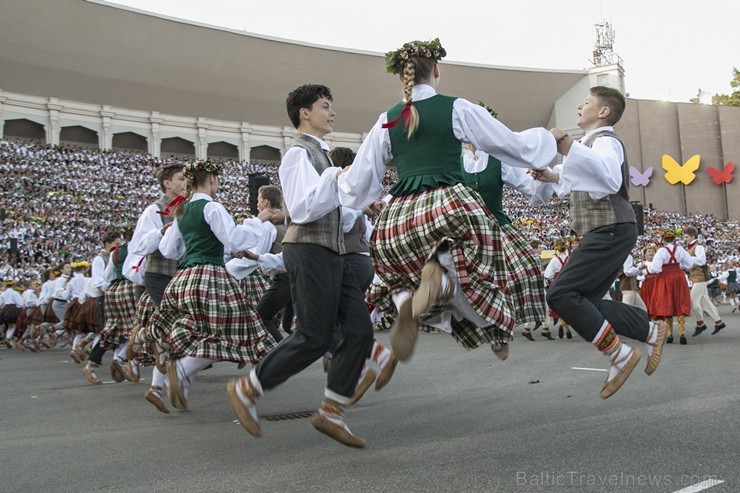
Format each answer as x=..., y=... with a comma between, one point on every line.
x=595, y=173
x=324, y=290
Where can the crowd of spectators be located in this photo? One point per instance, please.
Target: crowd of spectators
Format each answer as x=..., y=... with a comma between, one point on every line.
x=57, y=201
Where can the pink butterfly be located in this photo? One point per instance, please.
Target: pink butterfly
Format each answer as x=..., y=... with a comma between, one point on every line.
x=640, y=179
x=724, y=176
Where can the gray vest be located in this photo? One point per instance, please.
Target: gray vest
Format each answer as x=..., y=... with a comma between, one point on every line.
x=326, y=231
x=355, y=241
x=156, y=263
x=587, y=214
x=277, y=245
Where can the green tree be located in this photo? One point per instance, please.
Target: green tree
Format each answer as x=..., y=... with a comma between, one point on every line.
x=725, y=99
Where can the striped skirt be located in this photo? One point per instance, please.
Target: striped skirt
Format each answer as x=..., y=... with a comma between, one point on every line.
x=86, y=318
x=70, y=315
x=204, y=314
x=497, y=270
x=120, y=313
x=36, y=317
x=253, y=286
x=49, y=316
x=144, y=310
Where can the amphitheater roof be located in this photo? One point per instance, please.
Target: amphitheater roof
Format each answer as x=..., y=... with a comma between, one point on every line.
x=101, y=53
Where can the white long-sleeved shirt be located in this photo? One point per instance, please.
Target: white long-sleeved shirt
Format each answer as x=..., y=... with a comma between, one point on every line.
x=515, y=178
x=629, y=268
x=700, y=254
x=308, y=196
x=97, y=279
x=222, y=225
x=662, y=256
x=596, y=169
x=12, y=297
x=30, y=299
x=255, y=236
x=554, y=266
x=147, y=235
x=471, y=123
x=47, y=290
x=73, y=289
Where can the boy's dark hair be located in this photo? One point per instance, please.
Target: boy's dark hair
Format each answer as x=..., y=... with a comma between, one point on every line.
x=110, y=237
x=535, y=244
x=342, y=156
x=690, y=230
x=613, y=99
x=166, y=172
x=272, y=194
x=304, y=97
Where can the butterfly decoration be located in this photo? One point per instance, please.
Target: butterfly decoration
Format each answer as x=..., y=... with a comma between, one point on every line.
x=640, y=179
x=724, y=176
x=684, y=173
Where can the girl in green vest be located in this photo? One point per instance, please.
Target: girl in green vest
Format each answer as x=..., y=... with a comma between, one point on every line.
x=443, y=257
x=204, y=315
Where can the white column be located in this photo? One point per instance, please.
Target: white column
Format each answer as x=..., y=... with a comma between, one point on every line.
x=155, y=142
x=105, y=138
x=52, y=129
x=289, y=134
x=201, y=146
x=245, y=149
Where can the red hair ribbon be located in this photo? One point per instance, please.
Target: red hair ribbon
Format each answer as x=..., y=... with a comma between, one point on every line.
x=171, y=205
x=405, y=114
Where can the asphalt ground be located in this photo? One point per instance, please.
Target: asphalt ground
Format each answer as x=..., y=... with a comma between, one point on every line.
x=450, y=420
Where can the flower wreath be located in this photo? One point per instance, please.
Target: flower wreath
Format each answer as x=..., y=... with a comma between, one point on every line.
x=81, y=263
x=493, y=112
x=210, y=167
x=395, y=60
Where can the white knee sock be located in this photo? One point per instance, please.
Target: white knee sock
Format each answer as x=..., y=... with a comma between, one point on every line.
x=159, y=379
x=77, y=340
x=380, y=355
x=120, y=353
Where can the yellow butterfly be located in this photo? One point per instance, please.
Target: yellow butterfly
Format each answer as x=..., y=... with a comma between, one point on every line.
x=675, y=172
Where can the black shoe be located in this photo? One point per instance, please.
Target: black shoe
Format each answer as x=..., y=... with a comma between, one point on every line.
x=699, y=329
x=669, y=340
x=683, y=340
x=547, y=336
x=569, y=334
x=719, y=327
x=560, y=332
x=528, y=335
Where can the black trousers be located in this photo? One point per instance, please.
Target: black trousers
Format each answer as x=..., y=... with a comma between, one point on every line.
x=577, y=293
x=274, y=299
x=362, y=268
x=325, y=294
x=155, y=285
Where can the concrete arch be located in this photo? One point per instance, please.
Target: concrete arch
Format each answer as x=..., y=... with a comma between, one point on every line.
x=223, y=151
x=23, y=128
x=130, y=141
x=177, y=147
x=264, y=153
x=78, y=135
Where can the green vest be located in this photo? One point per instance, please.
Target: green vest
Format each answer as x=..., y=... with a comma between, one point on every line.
x=732, y=276
x=201, y=245
x=119, y=256
x=489, y=185
x=431, y=157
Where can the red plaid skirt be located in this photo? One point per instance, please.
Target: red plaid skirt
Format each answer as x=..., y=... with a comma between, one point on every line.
x=120, y=313
x=86, y=318
x=36, y=316
x=144, y=310
x=204, y=314
x=49, y=316
x=253, y=286
x=497, y=270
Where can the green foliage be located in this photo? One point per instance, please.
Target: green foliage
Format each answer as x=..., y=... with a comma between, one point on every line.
x=725, y=99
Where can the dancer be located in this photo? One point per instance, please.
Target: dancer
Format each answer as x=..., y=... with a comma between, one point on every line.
x=199, y=329
x=442, y=256
x=700, y=277
x=324, y=291
x=672, y=297
x=595, y=173
x=554, y=266
x=628, y=284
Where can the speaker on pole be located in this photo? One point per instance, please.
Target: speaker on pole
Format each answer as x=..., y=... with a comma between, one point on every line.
x=639, y=216
x=256, y=180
